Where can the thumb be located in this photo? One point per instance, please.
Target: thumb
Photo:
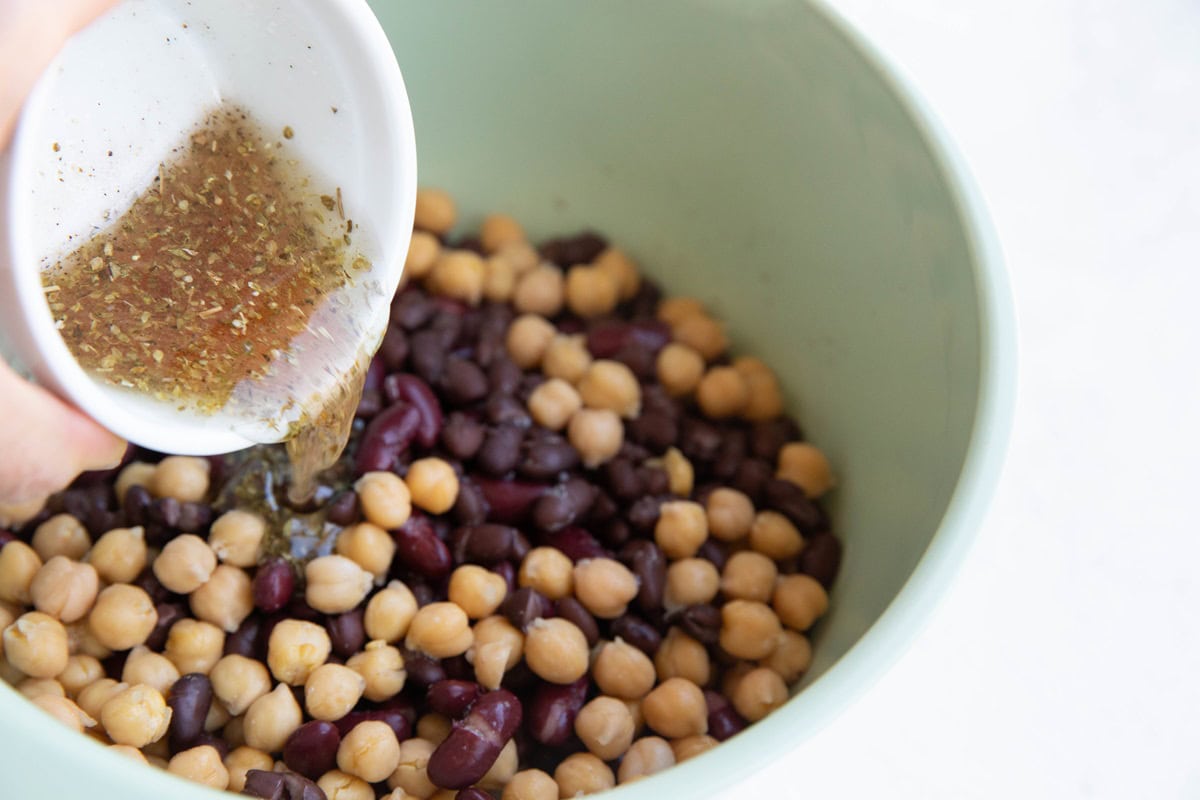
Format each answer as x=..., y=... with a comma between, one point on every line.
x=45, y=442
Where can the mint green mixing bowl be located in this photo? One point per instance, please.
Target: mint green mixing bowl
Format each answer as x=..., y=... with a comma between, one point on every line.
x=763, y=157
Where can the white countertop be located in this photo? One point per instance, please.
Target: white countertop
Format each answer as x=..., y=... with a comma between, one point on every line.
x=1064, y=662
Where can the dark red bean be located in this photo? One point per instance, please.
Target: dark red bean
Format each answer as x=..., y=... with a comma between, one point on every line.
x=274, y=582
x=648, y=562
x=245, y=640
x=452, y=698
x=642, y=363
x=637, y=632
x=462, y=436
x=463, y=382
x=344, y=509
x=298, y=608
x=189, y=698
x=423, y=670
x=427, y=354
x=564, y=504
x=474, y=744
x=411, y=309
x=394, y=348
x=458, y=668
x=699, y=439
x=376, y=371
x=506, y=570
x=567, y=251
x=312, y=748
x=524, y=606
x=281, y=786
x=607, y=338
x=701, y=622
x=723, y=720
x=552, y=711
x=573, y=611
x=510, y=501
x=821, y=558
x=6, y=537
x=419, y=548
x=386, y=438
x=415, y=392
x=395, y=718
x=546, y=455
x=482, y=544
x=576, y=543
x=346, y=632
x=768, y=437
x=168, y=614
x=789, y=499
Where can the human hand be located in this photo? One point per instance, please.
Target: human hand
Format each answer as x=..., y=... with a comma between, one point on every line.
x=44, y=442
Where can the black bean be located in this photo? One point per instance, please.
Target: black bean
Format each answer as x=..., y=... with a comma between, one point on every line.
x=189, y=698
x=504, y=376
x=411, y=309
x=423, y=670
x=501, y=450
x=567, y=251
x=642, y=363
x=470, y=507
x=615, y=533
x=730, y=455
x=427, y=354
x=701, y=622
x=552, y=711
x=393, y=350
x=194, y=518
x=462, y=436
x=637, y=632
x=603, y=508
x=509, y=500
x=655, y=429
x=114, y=664
x=524, y=606
x=482, y=544
x=164, y=511
x=281, y=786
x=576, y=543
x=474, y=744
x=447, y=325
x=768, y=437
x=452, y=698
x=643, y=514
x=503, y=409
x=699, y=439
x=137, y=505
x=346, y=632
x=411, y=390
x=386, y=438
x=821, y=558
x=654, y=479
x=399, y=719
x=751, y=476
x=215, y=742
x=644, y=304
x=419, y=548
x=546, y=455
x=789, y=499
x=647, y=561
x=312, y=748
x=458, y=668
x=715, y=552
x=622, y=479
x=273, y=585
x=168, y=615
x=463, y=382
x=506, y=570
x=148, y=582
x=245, y=640
x=573, y=611
x=563, y=504
x=343, y=509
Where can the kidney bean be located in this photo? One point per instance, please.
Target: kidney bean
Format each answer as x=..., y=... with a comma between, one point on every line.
x=723, y=720
x=644, y=513
x=567, y=251
x=312, y=748
x=386, y=438
x=168, y=614
x=419, y=548
x=274, y=582
x=789, y=499
x=343, y=509
x=648, y=562
x=506, y=570
x=376, y=371
x=576, y=543
x=189, y=698
x=821, y=558
x=482, y=544
x=346, y=632
x=563, y=504
x=245, y=640
x=411, y=309
x=750, y=478
x=699, y=439
x=462, y=436
x=281, y=786
x=452, y=698
x=546, y=455
x=474, y=743
x=524, y=606
x=394, y=348
x=573, y=611
x=370, y=404
x=637, y=632
x=423, y=670
x=509, y=500
x=398, y=719
x=410, y=390
x=654, y=429
x=501, y=450
x=552, y=711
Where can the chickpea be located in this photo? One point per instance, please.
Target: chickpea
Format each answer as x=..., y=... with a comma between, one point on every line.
x=730, y=514
x=722, y=393
x=369, y=546
x=611, y=385
x=135, y=473
x=498, y=230
x=556, y=650
x=527, y=340
x=583, y=773
x=477, y=591
x=271, y=719
x=623, y=671
x=295, y=648
x=81, y=671
x=566, y=357
x=216, y=718
x=243, y=759
x=681, y=656
x=498, y=647
x=65, y=711
x=423, y=250
x=33, y=688
x=119, y=556
x=766, y=396
x=799, y=600
x=499, y=280
x=183, y=477
x=502, y=769
x=148, y=668
x=236, y=538
x=458, y=274
x=122, y=617
x=238, y=681
x=369, y=751
x=65, y=589
x=590, y=292
x=774, y=535
x=19, y=564
x=81, y=639
x=531, y=784
x=225, y=600
x=382, y=669
x=521, y=255
x=441, y=630
x=390, y=612
x=136, y=716
x=184, y=564
x=675, y=708
x=597, y=434
x=791, y=657
x=194, y=646
x=673, y=310
x=605, y=727
x=679, y=369
x=335, y=584
x=93, y=696
x=621, y=269
x=646, y=756
x=692, y=746
x=681, y=476
x=604, y=586
x=703, y=334
x=539, y=291
x=434, y=727
x=433, y=485
x=805, y=466
x=758, y=693
x=410, y=773
x=748, y=629
x=748, y=576
x=128, y=752
x=332, y=691
x=681, y=528
x=338, y=785
x=548, y=571
x=384, y=498
x=61, y=535
x=202, y=765
x=553, y=403
x=690, y=581
x=435, y=211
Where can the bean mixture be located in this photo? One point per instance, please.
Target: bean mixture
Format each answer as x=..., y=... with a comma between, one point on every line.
x=574, y=541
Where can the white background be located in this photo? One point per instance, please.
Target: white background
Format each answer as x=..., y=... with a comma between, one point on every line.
x=1065, y=661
